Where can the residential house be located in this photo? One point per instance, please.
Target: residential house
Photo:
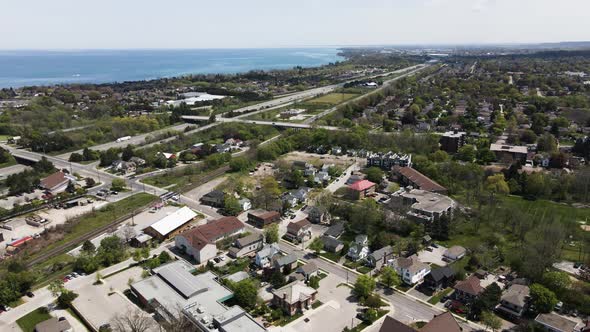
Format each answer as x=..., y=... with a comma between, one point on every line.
x=410, y=269
x=196, y=148
x=171, y=224
x=318, y=215
x=380, y=257
x=454, y=253
x=301, y=194
x=444, y=322
x=54, y=325
x=123, y=166
x=245, y=204
x=359, y=249
x=294, y=298
x=138, y=161
x=246, y=245
x=262, y=218
x=468, y=290
x=57, y=182
x=331, y=244
x=387, y=160
x=199, y=242
x=407, y=176
x=264, y=256
x=308, y=270
x=322, y=177
x=335, y=230
x=336, y=150
x=214, y=198
x=361, y=189
x=439, y=278
x=298, y=231
x=284, y=263
x=553, y=322
x=289, y=199
x=140, y=240
x=514, y=301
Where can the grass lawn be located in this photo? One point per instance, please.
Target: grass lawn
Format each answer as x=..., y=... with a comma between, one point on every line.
x=27, y=323
x=436, y=298
x=333, y=256
x=316, y=304
x=102, y=217
x=288, y=319
x=364, y=269
x=332, y=98
x=10, y=162
x=540, y=206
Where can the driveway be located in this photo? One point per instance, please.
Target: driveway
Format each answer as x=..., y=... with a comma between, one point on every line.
x=433, y=257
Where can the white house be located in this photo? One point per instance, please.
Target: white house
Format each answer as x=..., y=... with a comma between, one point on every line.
x=411, y=269
x=264, y=255
x=359, y=249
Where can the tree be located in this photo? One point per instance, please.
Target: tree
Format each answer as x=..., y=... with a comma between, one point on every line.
x=486, y=301
x=111, y=250
x=389, y=277
x=542, y=298
x=269, y=191
x=374, y=174
x=65, y=298
x=314, y=282
x=88, y=247
x=557, y=281
x=127, y=153
x=297, y=179
x=491, y=321
x=118, y=184
x=56, y=287
x=277, y=279
x=497, y=185
x=231, y=205
x=466, y=153
x=89, y=182
x=364, y=286
x=271, y=233
x=239, y=164
x=547, y=143
x=245, y=293
x=373, y=301
x=316, y=245
x=108, y=157
x=134, y=321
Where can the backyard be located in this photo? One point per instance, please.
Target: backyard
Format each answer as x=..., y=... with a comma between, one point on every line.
x=27, y=322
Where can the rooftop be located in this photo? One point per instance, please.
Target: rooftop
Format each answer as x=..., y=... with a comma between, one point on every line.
x=508, y=148
x=556, y=321
x=361, y=185
x=173, y=220
x=470, y=286
x=294, y=292
x=427, y=201
x=422, y=181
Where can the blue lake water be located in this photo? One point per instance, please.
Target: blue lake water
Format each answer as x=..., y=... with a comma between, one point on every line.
x=25, y=68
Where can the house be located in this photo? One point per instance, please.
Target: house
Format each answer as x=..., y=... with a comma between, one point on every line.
x=138, y=161
x=468, y=290
x=123, y=166
x=424, y=206
x=166, y=155
x=318, y=215
x=140, y=240
x=172, y=224
x=361, y=189
x=200, y=298
x=246, y=245
x=223, y=148
x=262, y=218
x=359, y=249
x=196, y=148
x=57, y=182
x=199, y=242
x=407, y=176
x=454, y=253
x=553, y=322
x=289, y=199
x=444, y=322
x=214, y=198
x=509, y=153
x=410, y=269
x=308, y=270
x=452, y=141
x=54, y=325
x=322, y=177
x=294, y=298
x=298, y=231
x=245, y=204
x=335, y=230
x=284, y=263
x=514, y=301
x=331, y=244
x=264, y=256
x=387, y=160
x=439, y=278
x=379, y=257
x=301, y=194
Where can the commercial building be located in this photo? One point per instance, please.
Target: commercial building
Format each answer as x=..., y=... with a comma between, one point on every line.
x=294, y=297
x=553, y=322
x=423, y=205
x=407, y=176
x=361, y=189
x=171, y=225
x=200, y=298
x=57, y=182
x=452, y=141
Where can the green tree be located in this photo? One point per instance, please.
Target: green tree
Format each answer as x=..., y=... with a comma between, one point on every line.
x=66, y=298
x=277, y=279
x=56, y=287
x=497, y=185
x=245, y=293
x=557, y=281
x=547, y=143
x=231, y=205
x=118, y=184
x=127, y=153
x=389, y=277
x=111, y=250
x=491, y=321
x=364, y=286
x=374, y=174
x=466, y=153
x=239, y=164
x=542, y=298
x=271, y=233
x=297, y=179
x=268, y=193
x=314, y=282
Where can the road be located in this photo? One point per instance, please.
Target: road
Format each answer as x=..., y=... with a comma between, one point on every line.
x=6, y=171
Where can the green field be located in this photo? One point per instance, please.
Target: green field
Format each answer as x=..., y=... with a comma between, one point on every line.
x=332, y=98
x=27, y=322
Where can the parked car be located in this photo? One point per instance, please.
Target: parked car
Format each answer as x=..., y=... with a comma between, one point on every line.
x=30, y=294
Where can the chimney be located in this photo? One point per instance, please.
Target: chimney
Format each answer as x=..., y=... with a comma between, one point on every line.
x=284, y=296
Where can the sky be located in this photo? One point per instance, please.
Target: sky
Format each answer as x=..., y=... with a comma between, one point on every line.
x=126, y=24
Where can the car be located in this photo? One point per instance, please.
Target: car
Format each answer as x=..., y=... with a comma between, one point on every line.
x=66, y=279
x=114, y=192
x=429, y=249
x=5, y=308
x=448, y=303
x=61, y=319
x=222, y=258
x=30, y=294
x=100, y=194
x=292, y=216
x=217, y=259
x=577, y=265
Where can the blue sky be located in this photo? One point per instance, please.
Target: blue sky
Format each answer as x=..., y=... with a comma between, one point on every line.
x=85, y=24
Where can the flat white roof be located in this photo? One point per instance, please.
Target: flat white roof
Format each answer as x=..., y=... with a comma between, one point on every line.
x=509, y=148
x=173, y=220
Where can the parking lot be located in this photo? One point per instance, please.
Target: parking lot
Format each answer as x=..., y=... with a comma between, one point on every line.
x=567, y=267
x=433, y=257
